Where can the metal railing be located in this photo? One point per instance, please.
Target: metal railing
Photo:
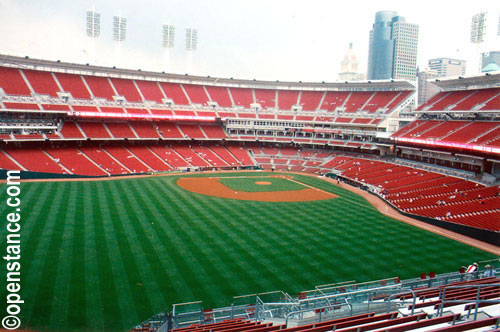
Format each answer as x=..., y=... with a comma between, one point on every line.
x=327, y=302
x=477, y=301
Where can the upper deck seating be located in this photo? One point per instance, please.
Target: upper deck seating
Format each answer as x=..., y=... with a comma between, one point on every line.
x=12, y=82
x=42, y=82
x=196, y=93
x=127, y=89
x=100, y=87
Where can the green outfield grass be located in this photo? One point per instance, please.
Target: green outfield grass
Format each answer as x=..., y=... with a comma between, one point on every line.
x=106, y=255
x=249, y=185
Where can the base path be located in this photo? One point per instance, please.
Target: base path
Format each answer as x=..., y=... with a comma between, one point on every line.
x=212, y=187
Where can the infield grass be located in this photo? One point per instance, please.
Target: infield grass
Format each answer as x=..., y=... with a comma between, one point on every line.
x=106, y=255
x=251, y=184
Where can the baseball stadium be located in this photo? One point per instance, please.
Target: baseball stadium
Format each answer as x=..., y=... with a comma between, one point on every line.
x=150, y=201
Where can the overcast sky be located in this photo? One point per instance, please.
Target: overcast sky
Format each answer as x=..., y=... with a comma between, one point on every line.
x=263, y=39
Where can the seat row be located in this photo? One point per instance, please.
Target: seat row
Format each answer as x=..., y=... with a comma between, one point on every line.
x=26, y=82
x=364, y=322
x=464, y=100
x=94, y=160
x=451, y=132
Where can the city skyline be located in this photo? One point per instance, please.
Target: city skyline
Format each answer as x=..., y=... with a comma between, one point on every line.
x=277, y=40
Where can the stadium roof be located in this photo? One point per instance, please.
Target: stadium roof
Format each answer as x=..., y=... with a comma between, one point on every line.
x=482, y=81
x=87, y=69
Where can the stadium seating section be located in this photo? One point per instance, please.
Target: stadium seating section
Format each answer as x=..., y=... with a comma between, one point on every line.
x=464, y=100
x=479, y=133
x=103, y=125
x=448, y=306
x=111, y=126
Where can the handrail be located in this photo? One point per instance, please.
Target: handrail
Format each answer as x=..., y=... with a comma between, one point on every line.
x=476, y=301
x=348, y=293
x=399, y=294
x=319, y=308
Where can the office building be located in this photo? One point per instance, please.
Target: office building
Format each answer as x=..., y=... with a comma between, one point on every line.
x=446, y=67
x=426, y=88
x=393, y=48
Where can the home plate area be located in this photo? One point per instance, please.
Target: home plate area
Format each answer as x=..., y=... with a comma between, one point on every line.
x=261, y=188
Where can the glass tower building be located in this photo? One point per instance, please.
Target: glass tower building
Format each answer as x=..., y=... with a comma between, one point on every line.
x=393, y=48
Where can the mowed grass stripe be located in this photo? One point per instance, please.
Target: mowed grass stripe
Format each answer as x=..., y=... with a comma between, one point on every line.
x=206, y=274
x=28, y=192
x=34, y=247
x=240, y=225
x=179, y=247
x=93, y=319
x=304, y=248
x=118, y=263
x=110, y=294
x=44, y=300
x=237, y=248
x=75, y=303
x=168, y=278
x=276, y=248
x=206, y=243
x=63, y=272
x=242, y=274
x=137, y=225
x=226, y=269
x=129, y=277
x=33, y=220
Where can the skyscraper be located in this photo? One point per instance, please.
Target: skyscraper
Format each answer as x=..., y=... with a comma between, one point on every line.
x=393, y=48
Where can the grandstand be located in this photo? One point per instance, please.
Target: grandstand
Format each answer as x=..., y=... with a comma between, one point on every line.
x=439, y=164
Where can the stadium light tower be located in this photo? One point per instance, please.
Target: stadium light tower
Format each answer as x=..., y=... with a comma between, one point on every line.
x=93, y=29
x=119, y=35
x=93, y=24
x=168, y=42
x=477, y=33
x=119, y=28
x=191, y=46
x=168, y=36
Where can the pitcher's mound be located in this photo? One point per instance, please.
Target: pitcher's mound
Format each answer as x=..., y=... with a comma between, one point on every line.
x=263, y=183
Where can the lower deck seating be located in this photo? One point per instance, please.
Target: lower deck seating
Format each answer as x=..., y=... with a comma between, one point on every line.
x=128, y=159
x=427, y=193
x=116, y=159
x=76, y=161
x=34, y=159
